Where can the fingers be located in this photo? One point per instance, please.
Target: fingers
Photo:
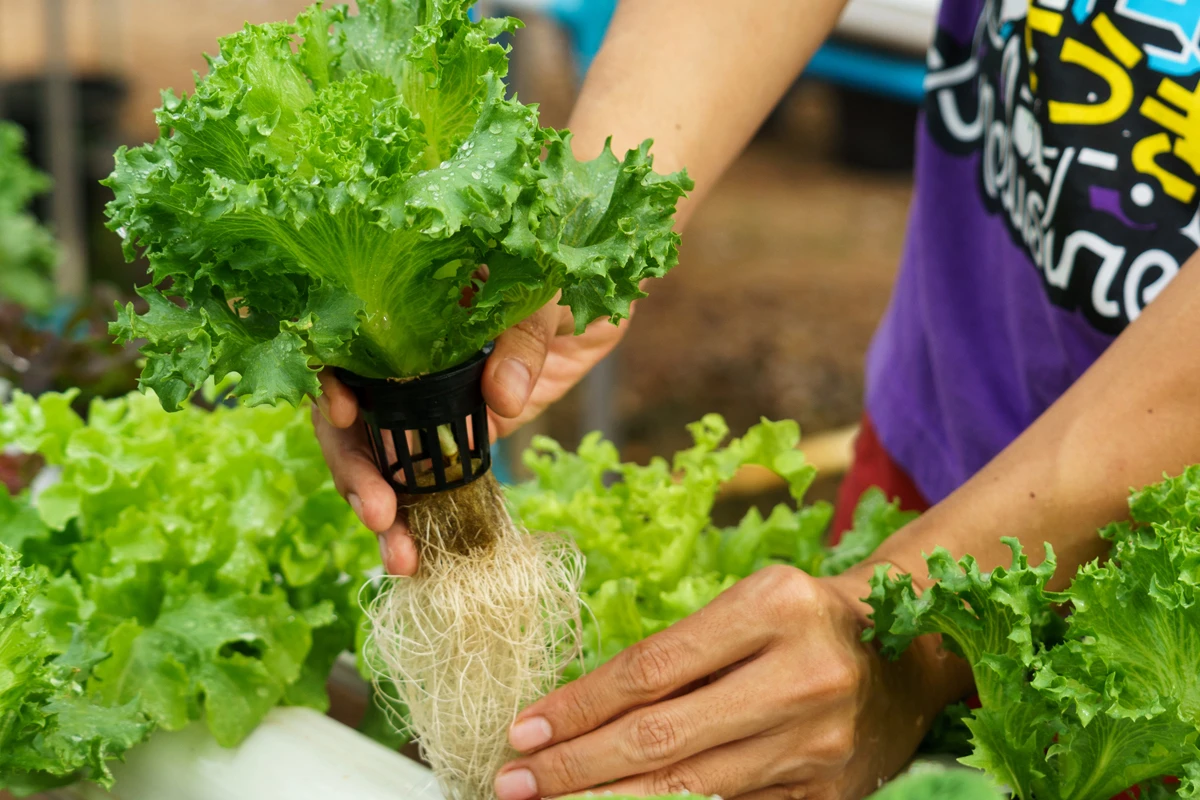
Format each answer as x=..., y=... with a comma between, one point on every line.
x=516, y=363
x=336, y=402
x=356, y=475
x=694, y=648
x=567, y=361
x=398, y=550
x=727, y=771
x=654, y=738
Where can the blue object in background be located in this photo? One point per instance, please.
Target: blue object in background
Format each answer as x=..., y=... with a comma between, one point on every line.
x=869, y=71
x=500, y=464
x=57, y=319
x=587, y=22
x=865, y=69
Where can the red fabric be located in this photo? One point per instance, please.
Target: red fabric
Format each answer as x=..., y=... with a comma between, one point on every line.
x=872, y=466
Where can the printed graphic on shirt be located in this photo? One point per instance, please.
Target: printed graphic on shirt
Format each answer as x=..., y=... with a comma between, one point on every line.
x=1086, y=118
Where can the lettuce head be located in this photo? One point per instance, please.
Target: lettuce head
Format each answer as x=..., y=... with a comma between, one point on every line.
x=358, y=190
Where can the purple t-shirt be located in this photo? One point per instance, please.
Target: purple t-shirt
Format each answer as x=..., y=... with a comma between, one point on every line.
x=1056, y=195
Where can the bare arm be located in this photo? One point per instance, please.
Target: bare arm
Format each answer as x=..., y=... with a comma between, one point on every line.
x=697, y=76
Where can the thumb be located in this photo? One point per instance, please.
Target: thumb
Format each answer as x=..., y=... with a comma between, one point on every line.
x=517, y=361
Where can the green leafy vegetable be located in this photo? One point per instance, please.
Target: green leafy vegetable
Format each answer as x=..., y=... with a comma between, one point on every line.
x=939, y=784
x=949, y=735
x=207, y=558
x=205, y=554
x=51, y=732
x=333, y=189
x=653, y=553
x=1087, y=708
x=27, y=250
x=875, y=518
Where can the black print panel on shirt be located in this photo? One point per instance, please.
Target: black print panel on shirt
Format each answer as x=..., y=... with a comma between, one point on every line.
x=1085, y=115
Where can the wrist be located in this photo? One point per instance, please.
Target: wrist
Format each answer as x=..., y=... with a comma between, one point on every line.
x=936, y=674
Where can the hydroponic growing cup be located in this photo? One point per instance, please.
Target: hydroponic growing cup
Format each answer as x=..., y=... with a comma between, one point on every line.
x=427, y=434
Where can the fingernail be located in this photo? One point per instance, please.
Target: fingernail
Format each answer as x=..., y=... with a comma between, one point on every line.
x=384, y=551
x=530, y=733
x=518, y=784
x=323, y=406
x=356, y=503
x=515, y=378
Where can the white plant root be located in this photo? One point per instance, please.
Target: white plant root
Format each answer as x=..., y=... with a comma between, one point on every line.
x=483, y=629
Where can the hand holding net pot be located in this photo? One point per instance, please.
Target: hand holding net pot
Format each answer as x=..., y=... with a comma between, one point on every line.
x=427, y=434
x=532, y=365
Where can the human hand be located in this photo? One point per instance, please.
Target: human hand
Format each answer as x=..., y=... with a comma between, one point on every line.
x=534, y=363
x=768, y=692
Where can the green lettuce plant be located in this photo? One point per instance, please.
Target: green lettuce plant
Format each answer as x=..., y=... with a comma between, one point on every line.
x=188, y=566
x=51, y=732
x=653, y=554
x=27, y=250
x=358, y=191
x=209, y=569
x=1085, y=709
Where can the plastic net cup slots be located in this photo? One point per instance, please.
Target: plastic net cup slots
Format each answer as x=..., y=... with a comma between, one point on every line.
x=427, y=434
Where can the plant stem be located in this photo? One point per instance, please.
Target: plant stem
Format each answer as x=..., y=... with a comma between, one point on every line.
x=449, y=446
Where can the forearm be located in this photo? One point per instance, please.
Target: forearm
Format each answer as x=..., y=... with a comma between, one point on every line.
x=1128, y=420
x=697, y=76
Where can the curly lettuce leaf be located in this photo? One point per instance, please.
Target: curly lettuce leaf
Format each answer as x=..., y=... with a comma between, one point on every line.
x=1110, y=702
x=27, y=250
x=51, y=733
x=19, y=521
x=653, y=554
x=876, y=517
x=336, y=187
x=207, y=553
x=234, y=656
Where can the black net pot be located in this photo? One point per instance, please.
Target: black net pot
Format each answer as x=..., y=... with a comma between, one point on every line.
x=402, y=418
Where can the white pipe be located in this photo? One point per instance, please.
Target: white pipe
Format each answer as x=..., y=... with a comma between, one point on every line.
x=904, y=25
x=296, y=754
